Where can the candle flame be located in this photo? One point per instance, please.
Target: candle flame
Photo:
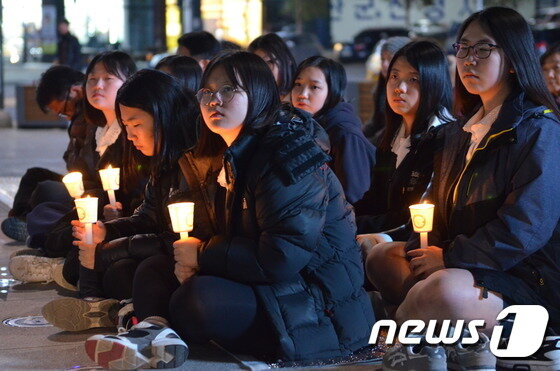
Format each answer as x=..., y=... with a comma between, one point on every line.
x=109, y=167
x=88, y=196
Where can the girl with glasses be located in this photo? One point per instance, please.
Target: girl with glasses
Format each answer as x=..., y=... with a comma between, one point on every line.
x=272, y=267
x=497, y=202
x=318, y=88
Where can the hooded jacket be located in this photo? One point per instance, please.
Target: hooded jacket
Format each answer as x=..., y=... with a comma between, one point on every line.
x=290, y=234
x=501, y=210
x=353, y=156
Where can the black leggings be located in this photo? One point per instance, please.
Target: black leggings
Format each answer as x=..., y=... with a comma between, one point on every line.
x=115, y=282
x=204, y=308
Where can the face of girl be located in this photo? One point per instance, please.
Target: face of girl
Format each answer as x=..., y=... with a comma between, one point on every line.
x=139, y=126
x=224, y=107
x=482, y=76
x=551, y=70
x=403, y=89
x=101, y=88
x=271, y=62
x=310, y=90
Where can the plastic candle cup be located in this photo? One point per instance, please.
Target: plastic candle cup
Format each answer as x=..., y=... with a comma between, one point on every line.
x=422, y=216
x=87, y=213
x=74, y=184
x=110, y=180
x=182, y=218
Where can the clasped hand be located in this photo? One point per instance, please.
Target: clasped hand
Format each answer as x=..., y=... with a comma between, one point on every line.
x=426, y=261
x=186, y=258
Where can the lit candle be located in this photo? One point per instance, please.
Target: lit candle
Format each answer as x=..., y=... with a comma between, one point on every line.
x=87, y=213
x=110, y=180
x=74, y=184
x=422, y=216
x=182, y=217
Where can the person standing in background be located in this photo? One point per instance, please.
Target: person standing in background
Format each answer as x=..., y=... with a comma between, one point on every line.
x=68, y=50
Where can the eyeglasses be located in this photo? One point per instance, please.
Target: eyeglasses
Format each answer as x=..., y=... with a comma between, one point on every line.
x=62, y=114
x=224, y=95
x=480, y=50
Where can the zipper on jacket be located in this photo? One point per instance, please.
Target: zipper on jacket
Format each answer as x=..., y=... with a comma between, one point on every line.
x=490, y=138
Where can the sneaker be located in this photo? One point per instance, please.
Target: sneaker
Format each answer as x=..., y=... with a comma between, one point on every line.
x=72, y=314
x=35, y=252
x=59, y=279
x=31, y=268
x=144, y=345
x=546, y=358
x=418, y=357
x=475, y=356
x=15, y=228
x=126, y=316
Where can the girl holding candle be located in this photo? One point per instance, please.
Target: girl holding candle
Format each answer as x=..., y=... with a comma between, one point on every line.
x=160, y=121
x=274, y=51
x=272, y=234
x=495, y=188
x=319, y=89
x=418, y=101
x=103, y=145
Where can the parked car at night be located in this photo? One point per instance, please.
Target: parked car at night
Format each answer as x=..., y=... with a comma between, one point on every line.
x=364, y=42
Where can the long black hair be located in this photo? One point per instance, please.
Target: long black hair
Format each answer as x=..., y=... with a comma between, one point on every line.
x=174, y=111
x=435, y=89
x=250, y=73
x=185, y=69
x=278, y=51
x=513, y=35
x=116, y=63
x=335, y=76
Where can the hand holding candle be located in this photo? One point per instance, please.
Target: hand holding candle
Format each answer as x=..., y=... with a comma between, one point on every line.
x=74, y=184
x=422, y=216
x=182, y=218
x=87, y=213
x=110, y=180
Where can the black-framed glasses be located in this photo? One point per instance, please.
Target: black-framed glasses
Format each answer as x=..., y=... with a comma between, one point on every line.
x=62, y=114
x=224, y=94
x=480, y=50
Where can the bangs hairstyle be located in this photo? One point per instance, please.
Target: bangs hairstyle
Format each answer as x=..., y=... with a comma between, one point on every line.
x=335, y=76
x=116, y=63
x=429, y=60
x=185, y=69
x=174, y=111
x=513, y=35
x=250, y=73
x=278, y=51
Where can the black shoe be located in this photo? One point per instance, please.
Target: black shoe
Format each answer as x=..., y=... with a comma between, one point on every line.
x=546, y=358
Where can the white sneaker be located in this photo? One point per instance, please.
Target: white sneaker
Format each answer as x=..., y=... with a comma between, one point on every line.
x=475, y=356
x=418, y=357
x=29, y=268
x=145, y=344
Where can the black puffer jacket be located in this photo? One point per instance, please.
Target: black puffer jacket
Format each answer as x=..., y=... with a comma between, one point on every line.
x=290, y=234
x=501, y=210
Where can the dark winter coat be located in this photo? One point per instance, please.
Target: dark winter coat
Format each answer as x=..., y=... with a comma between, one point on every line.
x=290, y=234
x=501, y=210
x=69, y=51
x=393, y=190
x=353, y=156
